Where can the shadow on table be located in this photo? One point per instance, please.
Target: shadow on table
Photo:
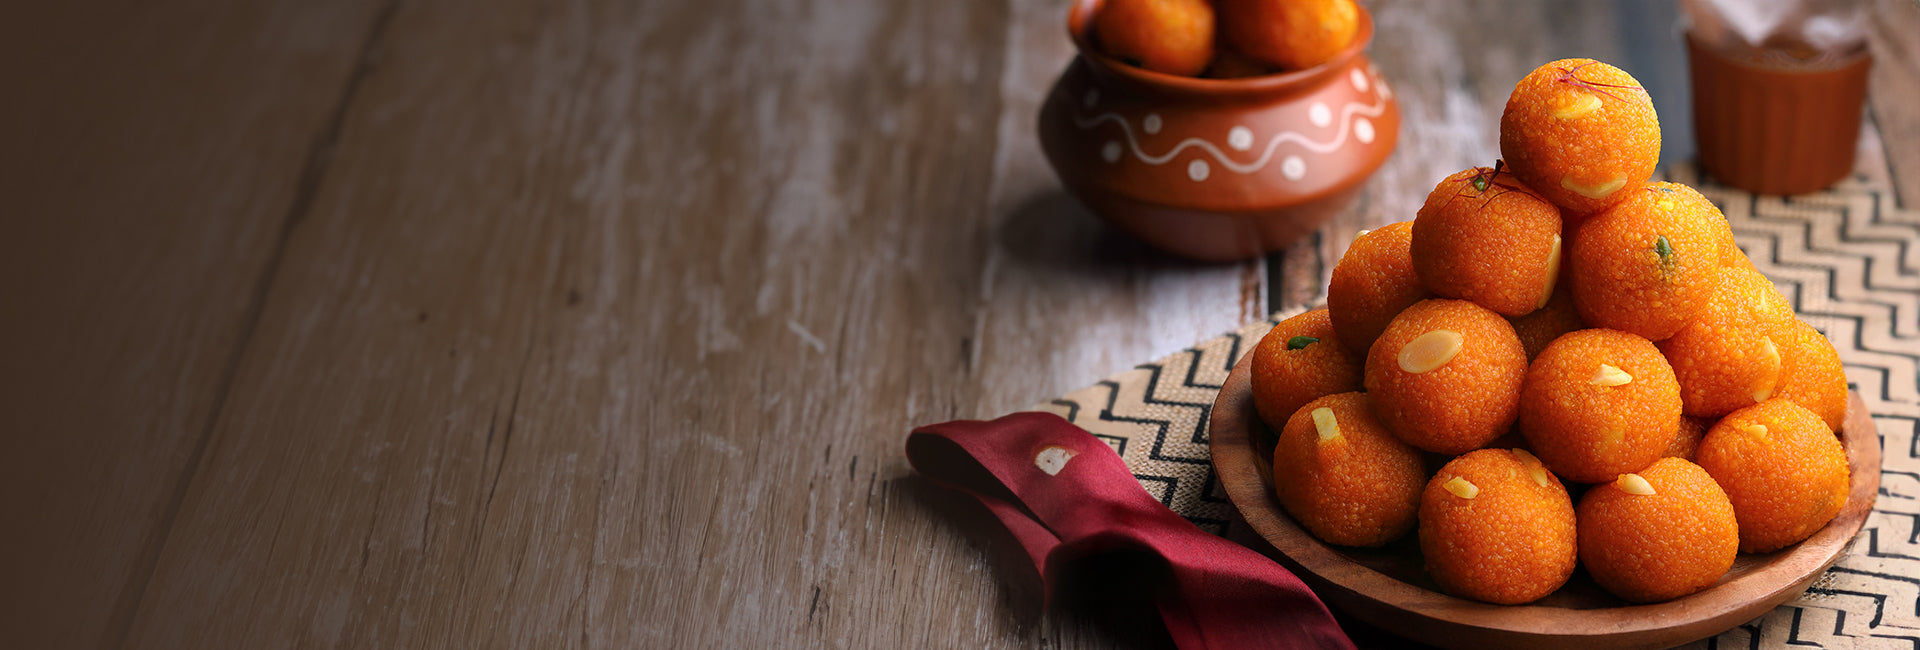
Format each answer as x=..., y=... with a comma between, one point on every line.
x=1105, y=596
x=1365, y=635
x=1103, y=600
x=1053, y=231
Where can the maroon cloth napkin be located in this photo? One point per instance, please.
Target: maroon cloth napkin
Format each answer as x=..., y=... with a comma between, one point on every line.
x=1067, y=496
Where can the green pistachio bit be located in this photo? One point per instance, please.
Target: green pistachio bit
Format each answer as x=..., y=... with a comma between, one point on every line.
x=1298, y=342
x=1664, y=248
x=1480, y=183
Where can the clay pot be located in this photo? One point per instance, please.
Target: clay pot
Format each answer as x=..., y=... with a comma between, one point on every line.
x=1216, y=169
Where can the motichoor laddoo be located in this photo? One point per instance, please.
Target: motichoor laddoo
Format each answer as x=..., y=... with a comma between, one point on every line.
x=1481, y=236
x=1497, y=526
x=1782, y=468
x=1657, y=534
x=1599, y=402
x=1446, y=375
x=1298, y=361
x=1340, y=474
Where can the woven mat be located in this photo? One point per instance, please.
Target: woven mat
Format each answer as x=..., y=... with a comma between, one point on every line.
x=1848, y=259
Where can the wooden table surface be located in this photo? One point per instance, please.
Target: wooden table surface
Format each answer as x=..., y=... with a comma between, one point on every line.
x=424, y=323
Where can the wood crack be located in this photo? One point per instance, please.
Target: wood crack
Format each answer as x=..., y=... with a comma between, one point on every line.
x=426, y=522
x=493, y=484
x=313, y=170
x=506, y=437
x=373, y=524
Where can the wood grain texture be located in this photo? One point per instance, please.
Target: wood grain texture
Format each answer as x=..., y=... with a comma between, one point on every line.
x=613, y=340
x=153, y=155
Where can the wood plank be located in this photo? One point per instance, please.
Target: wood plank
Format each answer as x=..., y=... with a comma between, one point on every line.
x=609, y=324
x=154, y=155
x=1064, y=300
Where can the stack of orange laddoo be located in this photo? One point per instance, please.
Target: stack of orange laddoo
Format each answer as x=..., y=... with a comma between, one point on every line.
x=1558, y=319
x=1225, y=39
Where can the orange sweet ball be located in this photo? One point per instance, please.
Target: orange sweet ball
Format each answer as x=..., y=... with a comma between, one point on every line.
x=1547, y=323
x=1729, y=356
x=1496, y=526
x=1171, y=36
x=1373, y=282
x=1598, y=403
x=1811, y=373
x=1343, y=477
x=1483, y=237
x=1580, y=132
x=1446, y=375
x=1647, y=264
x=1298, y=361
x=1657, y=534
x=1783, y=469
x=1289, y=34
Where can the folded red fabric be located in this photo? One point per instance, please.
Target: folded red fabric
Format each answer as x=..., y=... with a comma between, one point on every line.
x=1065, y=495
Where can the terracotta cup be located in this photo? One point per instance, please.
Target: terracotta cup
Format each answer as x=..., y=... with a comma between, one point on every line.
x=1776, y=130
x=1216, y=169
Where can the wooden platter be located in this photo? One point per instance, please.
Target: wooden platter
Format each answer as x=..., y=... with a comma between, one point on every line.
x=1389, y=588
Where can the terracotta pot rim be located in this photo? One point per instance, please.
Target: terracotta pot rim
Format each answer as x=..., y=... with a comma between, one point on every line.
x=1080, y=26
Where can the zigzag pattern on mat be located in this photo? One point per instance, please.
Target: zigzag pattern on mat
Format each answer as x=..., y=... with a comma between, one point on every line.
x=1155, y=416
